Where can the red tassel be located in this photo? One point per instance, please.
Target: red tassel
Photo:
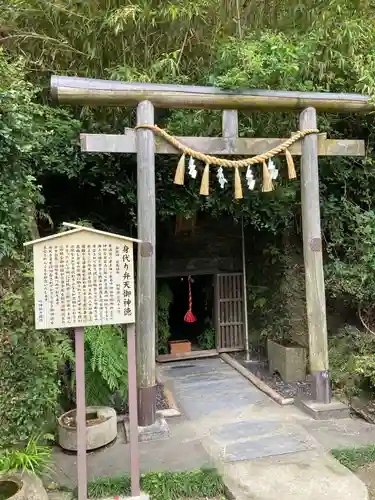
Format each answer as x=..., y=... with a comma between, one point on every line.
x=189, y=316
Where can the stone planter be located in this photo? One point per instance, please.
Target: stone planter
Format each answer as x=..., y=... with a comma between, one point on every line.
x=101, y=428
x=179, y=346
x=289, y=360
x=21, y=486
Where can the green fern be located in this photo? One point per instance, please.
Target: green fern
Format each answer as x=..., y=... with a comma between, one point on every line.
x=109, y=356
x=106, y=364
x=97, y=391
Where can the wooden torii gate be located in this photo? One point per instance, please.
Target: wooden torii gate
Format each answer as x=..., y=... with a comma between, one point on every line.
x=82, y=91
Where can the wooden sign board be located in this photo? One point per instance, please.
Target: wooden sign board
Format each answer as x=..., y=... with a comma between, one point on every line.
x=83, y=277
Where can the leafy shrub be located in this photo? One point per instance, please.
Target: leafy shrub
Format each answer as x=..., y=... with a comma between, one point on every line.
x=351, y=354
x=34, y=457
x=350, y=271
x=365, y=366
x=29, y=363
x=164, y=301
x=207, y=339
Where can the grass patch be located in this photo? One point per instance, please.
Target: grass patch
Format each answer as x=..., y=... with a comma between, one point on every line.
x=354, y=458
x=162, y=485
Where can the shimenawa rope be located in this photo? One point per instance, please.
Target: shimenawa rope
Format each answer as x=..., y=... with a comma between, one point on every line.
x=209, y=160
x=222, y=162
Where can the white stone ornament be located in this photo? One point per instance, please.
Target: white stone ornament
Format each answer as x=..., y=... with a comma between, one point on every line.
x=220, y=177
x=192, y=170
x=250, y=178
x=274, y=172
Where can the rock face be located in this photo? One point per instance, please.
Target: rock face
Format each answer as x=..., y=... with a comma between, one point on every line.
x=30, y=486
x=99, y=432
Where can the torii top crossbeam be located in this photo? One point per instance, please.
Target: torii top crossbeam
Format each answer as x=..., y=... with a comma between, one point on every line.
x=88, y=91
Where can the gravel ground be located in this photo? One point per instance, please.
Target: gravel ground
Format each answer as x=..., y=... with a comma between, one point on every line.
x=161, y=402
x=259, y=367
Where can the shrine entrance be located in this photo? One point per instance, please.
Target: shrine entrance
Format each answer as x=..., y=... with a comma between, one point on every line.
x=147, y=139
x=218, y=307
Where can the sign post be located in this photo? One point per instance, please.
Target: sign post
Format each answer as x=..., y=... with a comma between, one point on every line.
x=79, y=336
x=85, y=277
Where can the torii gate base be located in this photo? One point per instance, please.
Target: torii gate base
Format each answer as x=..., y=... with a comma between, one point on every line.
x=73, y=90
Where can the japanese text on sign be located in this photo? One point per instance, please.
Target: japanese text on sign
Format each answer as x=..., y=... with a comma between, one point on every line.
x=83, y=279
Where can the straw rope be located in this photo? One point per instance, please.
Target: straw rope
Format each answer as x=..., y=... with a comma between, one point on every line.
x=223, y=162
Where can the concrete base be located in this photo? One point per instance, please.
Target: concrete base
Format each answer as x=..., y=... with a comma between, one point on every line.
x=324, y=411
x=158, y=430
x=288, y=360
x=170, y=412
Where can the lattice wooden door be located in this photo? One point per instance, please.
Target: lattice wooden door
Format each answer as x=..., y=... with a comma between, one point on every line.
x=230, y=326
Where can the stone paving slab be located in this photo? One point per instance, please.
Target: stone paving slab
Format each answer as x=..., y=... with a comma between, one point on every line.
x=196, y=367
x=243, y=430
x=247, y=440
x=205, y=378
x=309, y=475
x=197, y=407
x=343, y=433
x=263, y=447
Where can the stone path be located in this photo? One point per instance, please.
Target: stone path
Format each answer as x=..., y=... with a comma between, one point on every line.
x=181, y=451
x=264, y=451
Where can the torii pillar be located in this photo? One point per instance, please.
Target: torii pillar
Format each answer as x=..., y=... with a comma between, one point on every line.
x=146, y=279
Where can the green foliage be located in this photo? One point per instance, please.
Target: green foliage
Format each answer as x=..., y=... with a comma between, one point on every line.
x=163, y=485
x=35, y=457
x=33, y=138
x=29, y=363
x=164, y=301
x=365, y=366
x=355, y=458
x=207, y=339
x=350, y=272
x=266, y=304
x=350, y=357
x=106, y=364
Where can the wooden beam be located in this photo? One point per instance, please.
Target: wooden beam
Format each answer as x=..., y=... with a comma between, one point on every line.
x=86, y=91
x=313, y=258
x=146, y=281
x=207, y=353
x=127, y=143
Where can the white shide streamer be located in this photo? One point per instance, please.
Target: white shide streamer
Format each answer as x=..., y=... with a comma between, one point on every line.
x=250, y=178
x=220, y=177
x=192, y=168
